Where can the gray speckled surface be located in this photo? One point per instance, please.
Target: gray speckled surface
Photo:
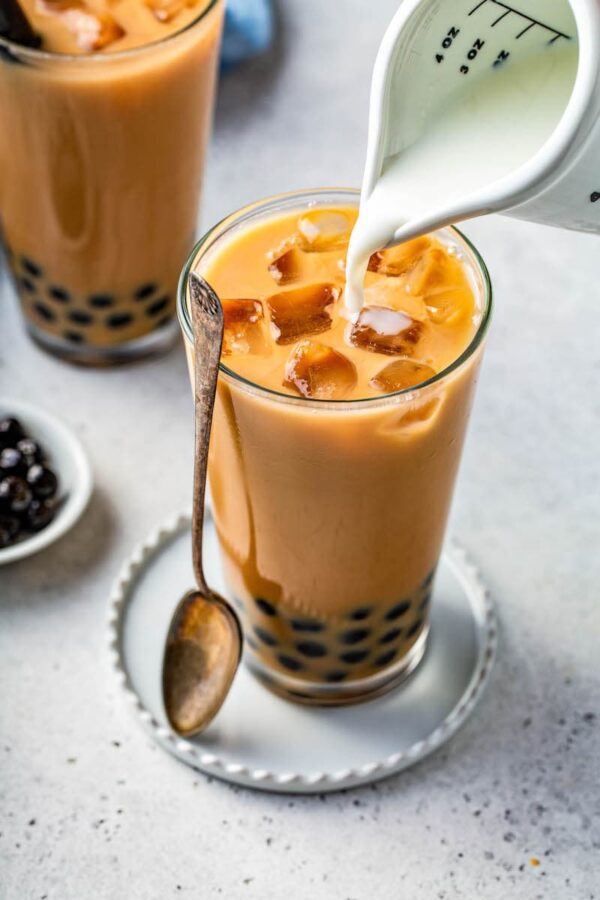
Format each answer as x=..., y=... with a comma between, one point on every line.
x=90, y=807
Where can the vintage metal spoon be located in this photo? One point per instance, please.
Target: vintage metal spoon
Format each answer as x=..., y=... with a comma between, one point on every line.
x=204, y=641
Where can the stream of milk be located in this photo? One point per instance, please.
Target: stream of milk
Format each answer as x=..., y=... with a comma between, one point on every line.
x=486, y=131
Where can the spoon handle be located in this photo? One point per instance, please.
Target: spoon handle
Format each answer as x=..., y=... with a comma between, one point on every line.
x=207, y=318
x=15, y=25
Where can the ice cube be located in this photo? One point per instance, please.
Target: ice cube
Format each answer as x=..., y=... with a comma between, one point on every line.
x=399, y=259
x=400, y=374
x=447, y=307
x=322, y=230
x=244, y=327
x=287, y=267
x=384, y=330
x=92, y=30
x=391, y=292
x=432, y=273
x=301, y=311
x=165, y=10
x=319, y=372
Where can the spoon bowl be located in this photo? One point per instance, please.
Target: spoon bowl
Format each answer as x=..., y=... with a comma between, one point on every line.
x=202, y=654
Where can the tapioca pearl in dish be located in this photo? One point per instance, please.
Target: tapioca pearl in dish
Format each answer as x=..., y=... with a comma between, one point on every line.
x=15, y=495
x=10, y=527
x=42, y=481
x=11, y=462
x=31, y=451
x=11, y=431
x=28, y=484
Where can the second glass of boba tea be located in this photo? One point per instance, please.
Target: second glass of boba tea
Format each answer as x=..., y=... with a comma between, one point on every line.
x=101, y=163
x=331, y=514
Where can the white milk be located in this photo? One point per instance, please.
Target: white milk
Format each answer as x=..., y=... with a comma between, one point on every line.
x=485, y=132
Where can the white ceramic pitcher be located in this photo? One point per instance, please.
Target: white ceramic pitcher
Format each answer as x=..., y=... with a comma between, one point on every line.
x=433, y=46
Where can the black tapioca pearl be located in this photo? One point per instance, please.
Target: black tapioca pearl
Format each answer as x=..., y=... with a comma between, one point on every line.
x=61, y=295
x=311, y=649
x=119, y=320
x=288, y=662
x=265, y=607
x=358, y=615
x=310, y=625
x=397, y=611
x=73, y=336
x=157, y=306
x=354, y=656
x=424, y=602
x=30, y=267
x=101, y=301
x=390, y=636
x=44, y=312
x=27, y=285
x=145, y=291
x=251, y=642
x=334, y=677
x=166, y=320
x=429, y=579
x=80, y=317
x=354, y=636
x=265, y=637
x=416, y=626
x=386, y=658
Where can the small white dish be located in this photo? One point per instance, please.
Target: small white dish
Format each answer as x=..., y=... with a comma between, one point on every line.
x=67, y=458
x=262, y=741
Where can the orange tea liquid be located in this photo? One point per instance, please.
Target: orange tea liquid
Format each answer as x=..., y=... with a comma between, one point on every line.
x=330, y=489
x=102, y=140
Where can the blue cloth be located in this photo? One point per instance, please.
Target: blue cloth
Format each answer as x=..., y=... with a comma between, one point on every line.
x=248, y=30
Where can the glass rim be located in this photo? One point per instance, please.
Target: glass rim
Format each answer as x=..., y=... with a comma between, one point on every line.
x=310, y=402
x=97, y=56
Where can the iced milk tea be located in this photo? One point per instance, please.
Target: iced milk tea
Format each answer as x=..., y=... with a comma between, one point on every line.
x=336, y=439
x=102, y=138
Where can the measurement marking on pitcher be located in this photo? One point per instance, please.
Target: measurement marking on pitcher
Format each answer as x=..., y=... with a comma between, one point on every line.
x=517, y=12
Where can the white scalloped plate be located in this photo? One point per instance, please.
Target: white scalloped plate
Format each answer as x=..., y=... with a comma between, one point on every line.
x=262, y=741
